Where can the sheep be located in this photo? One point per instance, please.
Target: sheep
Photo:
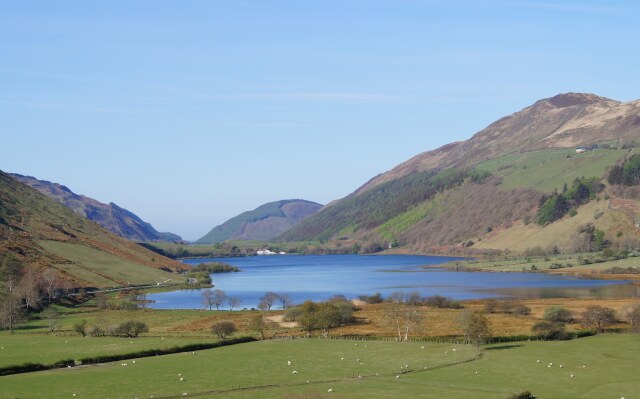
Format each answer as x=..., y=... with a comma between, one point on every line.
x=134, y=362
x=397, y=377
x=571, y=375
x=538, y=361
x=342, y=358
x=454, y=349
x=330, y=390
x=294, y=372
x=422, y=347
x=476, y=372
x=561, y=366
x=181, y=378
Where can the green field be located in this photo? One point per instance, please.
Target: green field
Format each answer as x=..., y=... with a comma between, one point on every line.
x=546, y=170
x=47, y=349
x=610, y=371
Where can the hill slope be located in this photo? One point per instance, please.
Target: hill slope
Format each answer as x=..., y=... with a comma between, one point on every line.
x=110, y=216
x=528, y=154
x=263, y=223
x=45, y=235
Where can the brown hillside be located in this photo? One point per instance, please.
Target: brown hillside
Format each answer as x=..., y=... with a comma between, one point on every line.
x=28, y=218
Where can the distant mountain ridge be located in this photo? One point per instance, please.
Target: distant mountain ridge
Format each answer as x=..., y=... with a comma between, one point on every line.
x=116, y=219
x=263, y=223
x=483, y=193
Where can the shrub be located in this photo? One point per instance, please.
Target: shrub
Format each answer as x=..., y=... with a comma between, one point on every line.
x=522, y=395
x=224, y=328
x=557, y=314
x=598, y=317
x=549, y=330
x=520, y=309
x=131, y=328
x=439, y=301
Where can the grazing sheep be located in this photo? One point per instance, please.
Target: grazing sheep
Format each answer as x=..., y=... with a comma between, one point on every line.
x=181, y=378
x=422, y=347
x=288, y=363
x=397, y=377
x=571, y=375
x=294, y=372
x=330, y=390
x=538, y=361
x=476, y=372
x=561, y=366
x=134, y=362
x=342, y=358
x=454, y=349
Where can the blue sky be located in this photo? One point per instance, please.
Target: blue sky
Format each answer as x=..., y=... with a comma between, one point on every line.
x=190, y=112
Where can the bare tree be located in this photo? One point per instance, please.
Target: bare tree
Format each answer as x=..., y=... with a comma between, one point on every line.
x=285, y=300
x=28, y=289
x=50, y=280
x=234, y=302
x=404, y=313
x=598, y=317
x=633, y=315
x=475, y=326
x=267, y=300
x=51, y=316
x=213, y=298
x=261, y=325
x=11, y=310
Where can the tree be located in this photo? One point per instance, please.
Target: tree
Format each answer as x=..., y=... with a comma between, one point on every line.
x=261, y=325
x=213, y=298
x=28, y=289
x=327, y=316
x=223, y=328
x=267, y=300
x=81, y=327
x=285, y=300
x=475, y=326
x=234, y=302
x=633, y=315
x=51, y=316
x=11, y=310
x=598, y=317
x=403, y=313
x=558, y=315
x=50, y=279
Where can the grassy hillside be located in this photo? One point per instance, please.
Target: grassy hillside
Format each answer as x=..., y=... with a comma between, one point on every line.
x=262, y=223
x=373, y=208
x=43, y=234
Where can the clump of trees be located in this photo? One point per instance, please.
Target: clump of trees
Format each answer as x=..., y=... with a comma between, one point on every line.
x=627, y=173
x=555, y=206
x=323, y=316
x=218, y=298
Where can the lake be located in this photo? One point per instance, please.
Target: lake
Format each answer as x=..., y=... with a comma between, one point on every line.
x=318, y=277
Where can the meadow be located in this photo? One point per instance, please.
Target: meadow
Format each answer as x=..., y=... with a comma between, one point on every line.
x=602, y=367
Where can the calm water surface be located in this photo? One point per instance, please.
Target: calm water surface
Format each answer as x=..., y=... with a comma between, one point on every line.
x=318, y=277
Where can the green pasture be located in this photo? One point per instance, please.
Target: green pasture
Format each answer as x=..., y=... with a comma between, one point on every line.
x=102, y=269
x=18, y=349
x=610, y=371
x=548, y=169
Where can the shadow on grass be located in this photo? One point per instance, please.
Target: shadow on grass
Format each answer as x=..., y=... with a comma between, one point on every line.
x=494, y=348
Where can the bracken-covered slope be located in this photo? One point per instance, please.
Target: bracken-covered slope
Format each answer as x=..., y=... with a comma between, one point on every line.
x=528, y=155
x=43, y=234
x=263, y=223
x=565, y=120
x=118, y=220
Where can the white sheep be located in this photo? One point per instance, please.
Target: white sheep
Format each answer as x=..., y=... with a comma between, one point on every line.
x=422, y=347
x=538, y=361
x=330, y=390
x=294, y=372
x=571, y=376
x=561, y=366
x=181, y=378
x=288, y=362
x=397, y=377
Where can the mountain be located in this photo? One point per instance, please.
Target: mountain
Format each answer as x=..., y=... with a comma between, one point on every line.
x=45, y=236
x=118, y=220
x=483, y=193
x=263, y=223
